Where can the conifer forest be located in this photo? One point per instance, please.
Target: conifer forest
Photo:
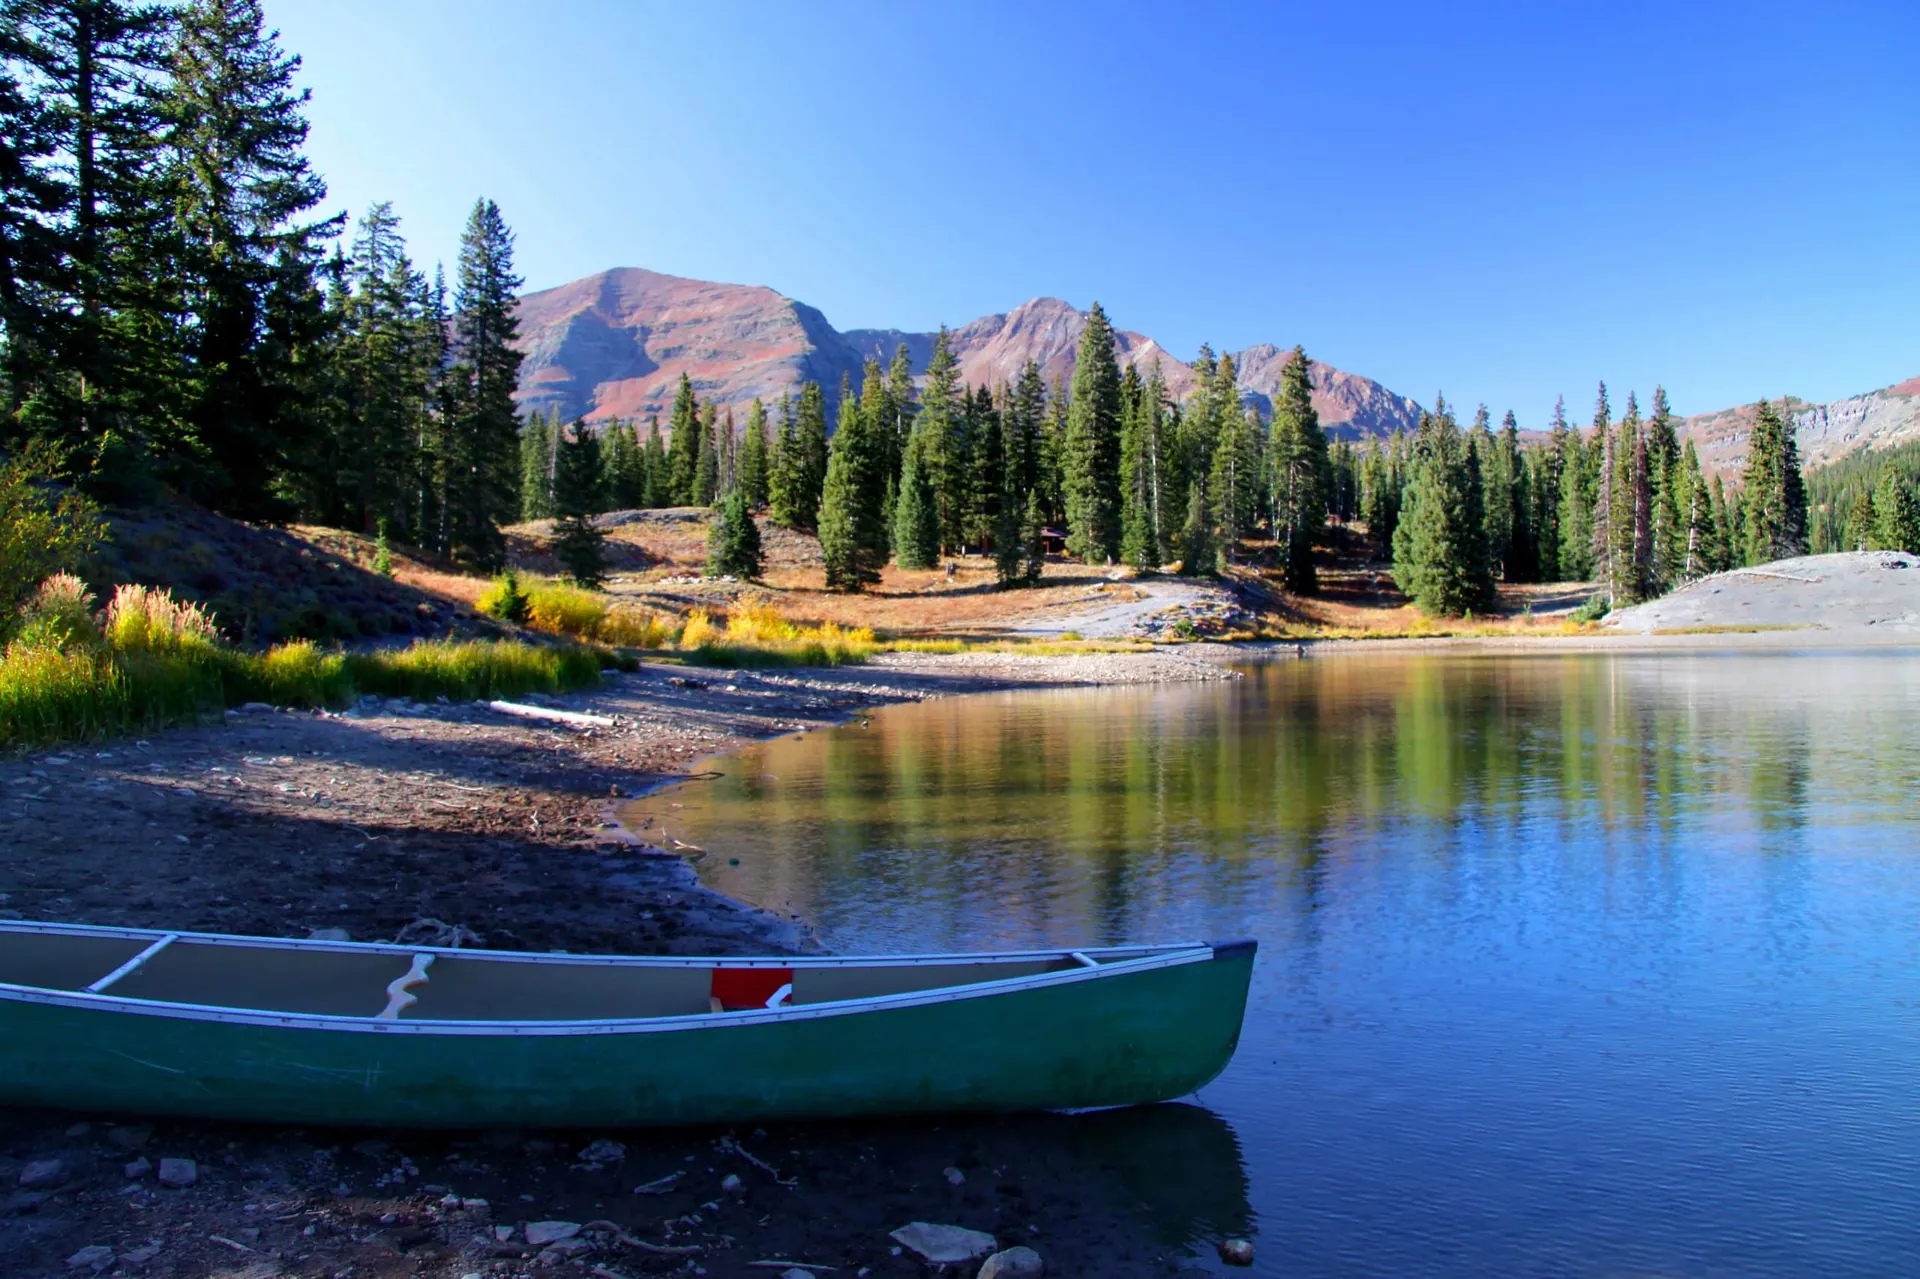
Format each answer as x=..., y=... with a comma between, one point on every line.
x=183, y=316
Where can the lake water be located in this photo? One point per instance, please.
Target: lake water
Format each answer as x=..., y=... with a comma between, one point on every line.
x=1581, y=964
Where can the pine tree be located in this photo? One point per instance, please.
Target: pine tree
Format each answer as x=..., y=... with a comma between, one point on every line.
x=625, y=488
x=1517, y=560
x=809, y=456
x=1142, y=475
x=536, y=470
x=654, y=457
x=916, y=520
x=1603, y=537
x=1860, y=526
x=733, y=539
x=482, y=469
x=1439, y=552
x=755, y=457
x=578, y=543
x=91, y=352
x=1050, y=465
x=1090, y=454
x=853, y=533
x=1197, y=554
x=1299, y=474
x=938, y=444
x=986, y=468
x=1896, y=513
x=1664, y=471
x=1773, y=493
x=1699, y=530
x=900, y=408
x=683, y=443
x=1379, y=498
x=1020, y=424
x=239, y=185
x=706, y=460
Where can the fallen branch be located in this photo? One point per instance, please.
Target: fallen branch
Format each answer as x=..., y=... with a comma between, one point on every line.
x=574, y=719
x=661, y=1249
x=728, y=1143
x=234, y=1244
x=787, y=1265
x=659, y=1186
x=1785, y=577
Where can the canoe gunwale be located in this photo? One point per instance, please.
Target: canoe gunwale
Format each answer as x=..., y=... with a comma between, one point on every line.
x=1141, y=959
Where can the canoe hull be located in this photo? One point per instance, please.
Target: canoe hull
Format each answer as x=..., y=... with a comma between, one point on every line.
x=1125, y=1039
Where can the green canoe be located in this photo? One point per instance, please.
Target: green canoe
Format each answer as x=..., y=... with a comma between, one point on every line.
x=347, y=1033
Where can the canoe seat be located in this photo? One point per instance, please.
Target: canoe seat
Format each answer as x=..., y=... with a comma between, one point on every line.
x=738, y=988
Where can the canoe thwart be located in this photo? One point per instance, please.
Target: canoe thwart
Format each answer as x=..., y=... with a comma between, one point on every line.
x=133, y=965
x=400, y=994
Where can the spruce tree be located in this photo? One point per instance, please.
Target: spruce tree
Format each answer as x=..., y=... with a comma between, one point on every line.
x=733, y=539
x=625, y=488
x=706, y=462
x=1439, y=553
x=1773, y=493
x=1896, y=513
x=1859, y=527
x=810, y=455
x=986, y=468
x=755, y=457
x=1379, y=498
x=654, y=457
x=853, y=533
x=1033, y=536
x=578, y=543
x=536, y=469
x=1197, y=554
x=939, y=439
x=240, y=188
x=916, y=521
x=483, y=466
x=683, y=444
x=1664, y=472
x=1516, y=560
x=1698, y=552
x=1090, y=452
x=1050, y=466
x=1299, y=472
x=1142, y=472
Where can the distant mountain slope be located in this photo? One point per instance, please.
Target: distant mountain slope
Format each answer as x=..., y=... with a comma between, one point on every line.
x=615, y=344
x=1826, y=432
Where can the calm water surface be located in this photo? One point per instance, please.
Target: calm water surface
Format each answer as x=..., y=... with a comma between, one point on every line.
x=1570, y=965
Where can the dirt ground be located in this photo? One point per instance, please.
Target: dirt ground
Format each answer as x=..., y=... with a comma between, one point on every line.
x=406, y=820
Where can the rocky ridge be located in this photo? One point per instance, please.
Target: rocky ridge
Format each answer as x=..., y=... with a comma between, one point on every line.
x=615, y=344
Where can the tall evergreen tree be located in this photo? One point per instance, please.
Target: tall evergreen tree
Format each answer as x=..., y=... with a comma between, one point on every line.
x=683, y=442
x=536, y=469
x=1699, y=551
x=1773, y=493
x=1439, y=552
x=482, y=468
x=1896, y=513
x=1090, y=453
x=1858, y=528
x=733, y=540
x=1198, y=557
x=654, y=455
x=756, y=456
x=939, y=439
x=853, y=532
x=706, y=457
x=1664, y=473
x=625, y=488
x=1143, y=476
x=578, y=543
x=1299, y=475
x=916, y=519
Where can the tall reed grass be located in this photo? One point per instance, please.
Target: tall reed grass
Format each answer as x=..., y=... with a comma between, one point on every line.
x=148, y=661
x=759, y=636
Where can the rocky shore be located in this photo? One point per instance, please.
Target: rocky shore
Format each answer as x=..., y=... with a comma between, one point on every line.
x=433, y=822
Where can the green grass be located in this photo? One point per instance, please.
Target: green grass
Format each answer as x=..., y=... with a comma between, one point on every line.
x=462, y=671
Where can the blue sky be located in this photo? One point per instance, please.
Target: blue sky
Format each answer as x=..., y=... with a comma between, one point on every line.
x=1504, y=202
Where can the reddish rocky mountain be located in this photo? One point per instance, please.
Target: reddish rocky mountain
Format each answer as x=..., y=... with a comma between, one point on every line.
x=615, y=344
x=1825, y=432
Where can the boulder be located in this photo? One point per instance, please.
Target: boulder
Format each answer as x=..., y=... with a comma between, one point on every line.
x=93, y=1257
x=542, y=1233
x=944, y=1245
x=1013, y=1263
x=178, y=1173
x=44, y=1174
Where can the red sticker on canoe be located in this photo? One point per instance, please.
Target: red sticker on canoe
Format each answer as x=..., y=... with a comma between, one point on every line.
x=749, y=987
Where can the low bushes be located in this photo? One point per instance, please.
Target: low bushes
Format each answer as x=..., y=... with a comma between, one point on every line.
x=560, y=609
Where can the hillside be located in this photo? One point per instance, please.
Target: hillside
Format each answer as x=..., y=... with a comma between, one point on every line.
x=615, y=344
x=1826, y=432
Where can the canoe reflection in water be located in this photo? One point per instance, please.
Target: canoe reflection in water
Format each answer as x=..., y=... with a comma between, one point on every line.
x=1179, y=1166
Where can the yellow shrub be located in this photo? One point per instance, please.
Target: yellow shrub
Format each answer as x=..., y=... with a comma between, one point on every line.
x=142, y=619
x=565, y=610
x=635, y=628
